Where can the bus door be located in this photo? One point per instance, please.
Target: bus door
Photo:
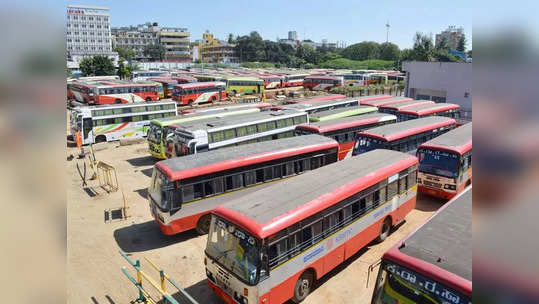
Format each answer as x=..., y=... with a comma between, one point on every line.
x=87, y=126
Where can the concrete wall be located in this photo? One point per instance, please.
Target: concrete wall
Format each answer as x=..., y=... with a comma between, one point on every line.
x=454, y=80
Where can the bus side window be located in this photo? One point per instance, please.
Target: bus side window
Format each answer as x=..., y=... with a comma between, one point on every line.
x=411, y=179
x=392, y=189
x=277, y=171
x=188, y=194
x=250, y=178
x=315, y=162
x=402, y=185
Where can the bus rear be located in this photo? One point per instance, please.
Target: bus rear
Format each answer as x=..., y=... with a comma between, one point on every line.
x=434, y=263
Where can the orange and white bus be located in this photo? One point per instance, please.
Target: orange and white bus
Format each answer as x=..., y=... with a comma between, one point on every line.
x=168, y=84
x=184, y=79
x=294, y=80
x=315, y=99
x=344, y=130
x=111, y=92
x=445, y=163
x=403, y=136
x=396, y=107
x=322, y=83
x=184, y=190
x=426, y=110
x=272, y=81
x=195, y=93
x=384, y=101
x=434, y=263
x=272, y=245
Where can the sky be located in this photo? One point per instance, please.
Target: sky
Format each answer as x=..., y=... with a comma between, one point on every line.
x=349, y=21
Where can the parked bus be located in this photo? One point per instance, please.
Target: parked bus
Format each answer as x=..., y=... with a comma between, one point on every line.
x=341, y=113
x=322, y=106
x=295, y=80
x=434, y=263
x=344, y=130
x=321, y=83
x=81, y=92
x=112, y=122
x=144, y=75
x=315, y=99
x=184, y=190
x=445, y=163
x=214, y=133
x=167, y=83
x=438, y=109
x=244, y=85
x=209, y=78
x=97, y=78
x=273, y=244
x=108, y=92
x=272, y=81
x=354, y=80
x=199, y=92
x=403, y=136
x=160, y=128
x=384, y=101
x=184, y=79
x=395, y=107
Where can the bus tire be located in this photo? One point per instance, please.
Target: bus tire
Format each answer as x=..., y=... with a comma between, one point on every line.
x=303, y=287
x=117, y=100
x=190, y=102
x=203, y=224
x=213, y=98
x=148, y=99
x=100, y=138
x=384, y=230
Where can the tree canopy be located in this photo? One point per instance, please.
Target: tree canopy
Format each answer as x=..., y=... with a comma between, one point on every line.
x=155, y=51
x=97, y=66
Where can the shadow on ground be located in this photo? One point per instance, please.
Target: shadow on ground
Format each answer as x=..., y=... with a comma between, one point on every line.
x=109, y=300
x=142, y=192
x=201, y=292
x=148, y=172
x=428, y=203
x=142, y=161
x=147, y=236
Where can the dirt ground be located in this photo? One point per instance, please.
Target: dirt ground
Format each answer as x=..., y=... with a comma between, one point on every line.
x=94, y=264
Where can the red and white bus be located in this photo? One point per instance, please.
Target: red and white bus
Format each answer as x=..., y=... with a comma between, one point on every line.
x=184, y=79
x=168, y=84
x=184, y=190
x=272, y=245
x=321, y=83
x=396, y=107
x=403, y=136
x=315, y=99
x=272, y=81
x=195, y=93
x=445, y=163
x=109, y=92
x=437, y=109
x=384, y=101
x=344, y=130
x=295, y=80
x=434, y=263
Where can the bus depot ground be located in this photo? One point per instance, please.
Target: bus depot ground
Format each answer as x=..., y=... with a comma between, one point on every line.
x=94, y=265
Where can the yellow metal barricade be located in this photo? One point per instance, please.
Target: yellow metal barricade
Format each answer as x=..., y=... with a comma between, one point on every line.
x=108, y=179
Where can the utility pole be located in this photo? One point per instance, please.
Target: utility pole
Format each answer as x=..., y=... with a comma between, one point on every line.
x=387, y=32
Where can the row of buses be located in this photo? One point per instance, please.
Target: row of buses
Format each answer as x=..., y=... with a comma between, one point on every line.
x=264, y=247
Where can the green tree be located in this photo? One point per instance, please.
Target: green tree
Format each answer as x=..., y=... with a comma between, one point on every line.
x=125, y=54
x=442, y=44
x=154, y=51
x=308, y=54
x=86, y=66
x=251, y=48
x=389, y=51
x=405, y=55
x=103, y=65
x=124, y=72
x=461, y=46
x=423, y=47
x=362, y=51
x=444, y=56
x=231, y=38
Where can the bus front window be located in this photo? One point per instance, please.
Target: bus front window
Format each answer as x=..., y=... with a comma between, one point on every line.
x=366, y=144
x=396, y=284
x=162, y=191
x=438, y=162
x=154, y=133
x=235, y=249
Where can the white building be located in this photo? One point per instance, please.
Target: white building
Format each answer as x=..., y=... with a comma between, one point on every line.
x=88, y=32
x=440, y=82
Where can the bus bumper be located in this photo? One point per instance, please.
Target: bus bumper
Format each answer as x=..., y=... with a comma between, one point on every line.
x=222, y=294
x=436, y=192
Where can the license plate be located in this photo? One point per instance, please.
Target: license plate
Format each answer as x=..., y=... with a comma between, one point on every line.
x=432, y=192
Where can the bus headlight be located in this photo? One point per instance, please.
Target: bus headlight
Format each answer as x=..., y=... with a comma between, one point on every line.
x=450, y=187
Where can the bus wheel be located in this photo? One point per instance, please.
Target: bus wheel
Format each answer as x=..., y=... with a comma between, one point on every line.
x=203, y=224
x=384, y=231
x=100, y=139
x=148, y=99
x=190, y=102
x=213, y=98
x=303, y=286
x=118, y=100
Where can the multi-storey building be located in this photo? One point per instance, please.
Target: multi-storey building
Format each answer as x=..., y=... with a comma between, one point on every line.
x=88, y=32
x=211, y=49
x=176, y=43
x=452, y=35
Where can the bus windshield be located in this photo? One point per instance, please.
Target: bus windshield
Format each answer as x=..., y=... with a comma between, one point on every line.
x=438, y=162
x=366, y=144
x=304, y=132
x=233, y=248
x=397, y=284
x=162, y=191
x=154, y=133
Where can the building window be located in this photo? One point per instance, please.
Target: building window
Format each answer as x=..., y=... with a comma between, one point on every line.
x=466, y=94
x=83, y=25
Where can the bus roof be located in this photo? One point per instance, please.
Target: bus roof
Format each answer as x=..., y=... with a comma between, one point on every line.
x=202, y=115
x=406, y=128
x=221, y=122
x=127, y=105
x=315, y=99
x=458, y=140
x=346, y=122
x=426, y=109
x=243, y=79
x=405, y=104
x=322, y=77
x=268, y=211
x=442, y=246
x=163, y=79
x=337, y=113
x=199, y=84
x=318, y=104
x=244, y=155
x=385, y=101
